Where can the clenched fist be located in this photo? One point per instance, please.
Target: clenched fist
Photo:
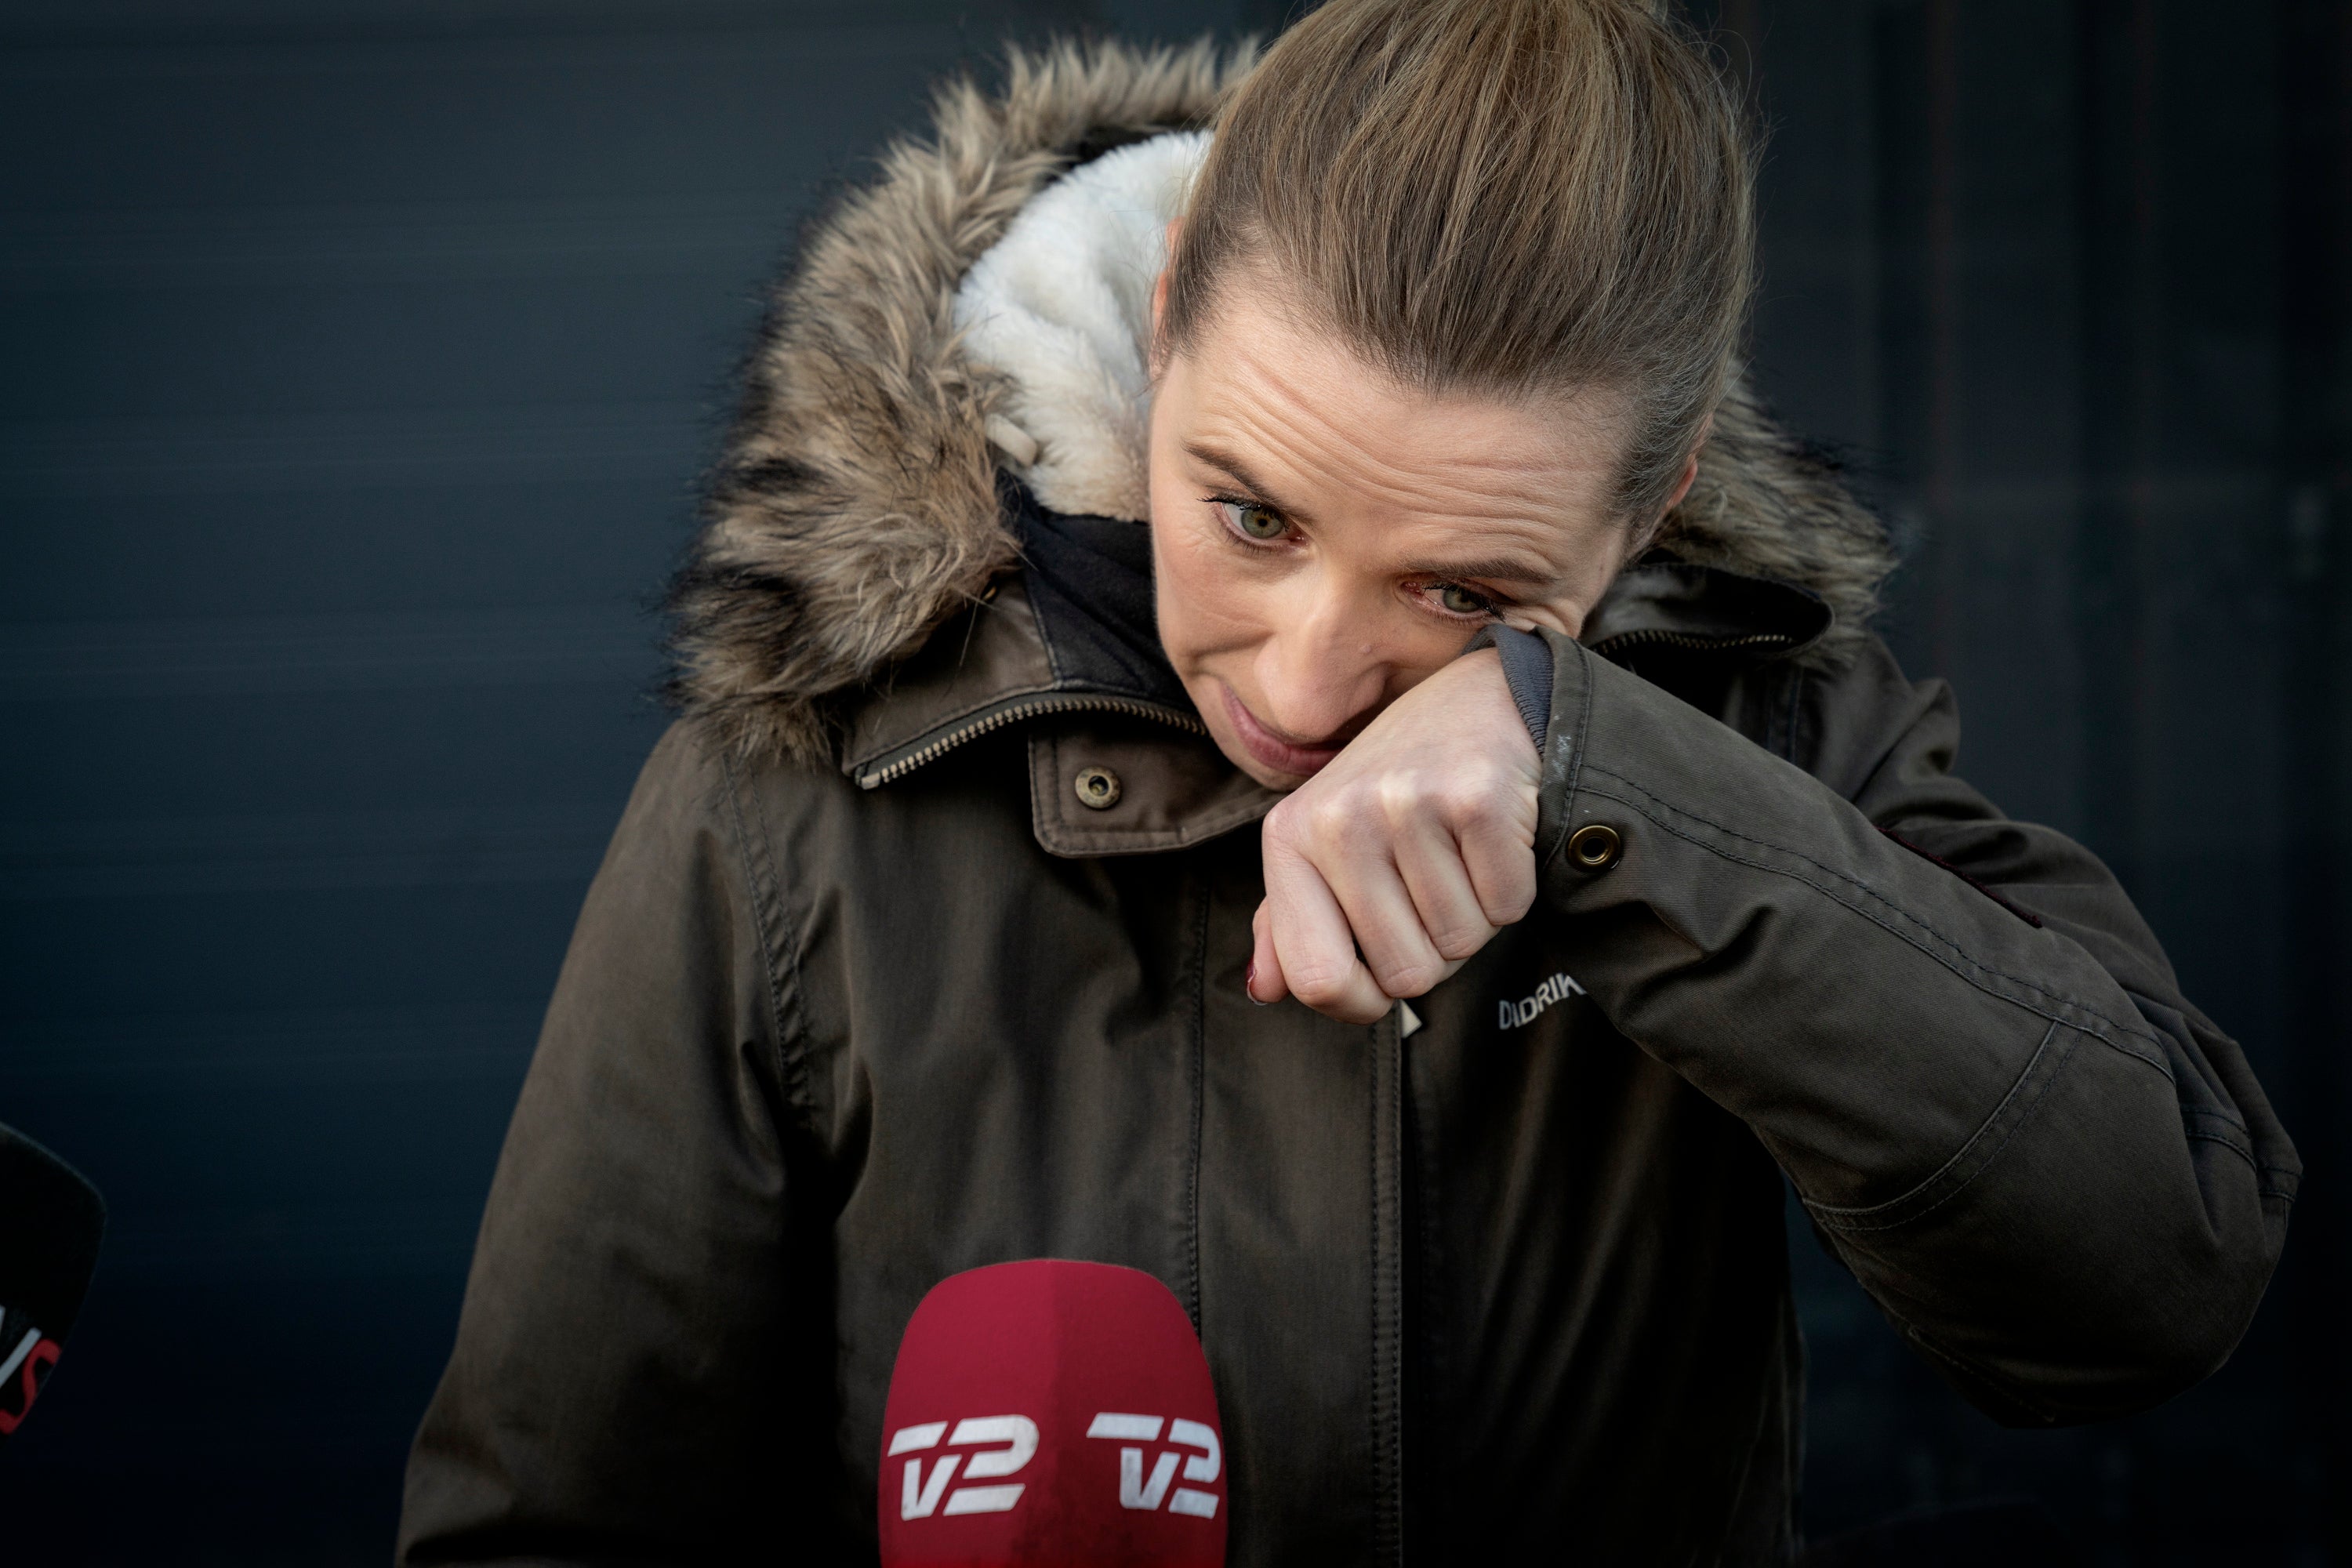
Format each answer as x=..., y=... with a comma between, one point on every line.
x=1405, y=854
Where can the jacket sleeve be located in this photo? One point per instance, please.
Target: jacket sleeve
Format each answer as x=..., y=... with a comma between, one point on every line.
x=615, y=1389
x=1964, y=1047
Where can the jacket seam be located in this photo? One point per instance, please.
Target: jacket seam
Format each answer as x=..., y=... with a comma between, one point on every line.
x=1417, y=1191
x=1577, y=743
x=1843, y=1220
x=1372, y=1207
x=2207, y=1113
x=1878, y=898
x=2229, y=1143
x=1867, y=892
x=1387, y=1282
x=758, y=865
x=1196, y=1063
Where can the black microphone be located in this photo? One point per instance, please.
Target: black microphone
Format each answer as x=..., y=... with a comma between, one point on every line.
x=50, y=1220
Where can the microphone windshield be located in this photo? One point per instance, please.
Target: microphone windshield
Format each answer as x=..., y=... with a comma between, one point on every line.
x=47, y=1252
x=1051, y=1412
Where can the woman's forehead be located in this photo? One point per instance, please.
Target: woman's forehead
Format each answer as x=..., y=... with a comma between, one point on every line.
x=1299, y=419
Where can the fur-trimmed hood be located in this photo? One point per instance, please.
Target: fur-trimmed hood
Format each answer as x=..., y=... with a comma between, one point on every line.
x=857, y=507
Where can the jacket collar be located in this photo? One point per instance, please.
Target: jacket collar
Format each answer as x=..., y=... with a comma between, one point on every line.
x=1070, y=631
x=1022, y=659
x=1662, y=599
x=1066, y=648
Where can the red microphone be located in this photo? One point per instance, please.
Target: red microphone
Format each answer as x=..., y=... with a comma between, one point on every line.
x=1051, y=1412
x=53, y=1219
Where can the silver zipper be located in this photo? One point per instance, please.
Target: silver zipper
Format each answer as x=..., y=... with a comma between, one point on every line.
x=1032, y=708
x=1683, y=640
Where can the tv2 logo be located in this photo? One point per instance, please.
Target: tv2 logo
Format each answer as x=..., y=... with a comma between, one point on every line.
x=919, y=1498
x=21, y=1376
x=1134, y=1492
x=1006, y=1444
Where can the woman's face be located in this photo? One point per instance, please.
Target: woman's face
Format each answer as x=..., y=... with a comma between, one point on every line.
x=1324, y=537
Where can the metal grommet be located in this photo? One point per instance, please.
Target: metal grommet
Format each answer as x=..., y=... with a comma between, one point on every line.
x=1098, y=788
x=1595, y=846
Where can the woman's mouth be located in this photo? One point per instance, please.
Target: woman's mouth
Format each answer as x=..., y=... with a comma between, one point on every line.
x=1271, y=750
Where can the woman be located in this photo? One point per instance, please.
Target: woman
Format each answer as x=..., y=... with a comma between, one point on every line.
x=1023, y=880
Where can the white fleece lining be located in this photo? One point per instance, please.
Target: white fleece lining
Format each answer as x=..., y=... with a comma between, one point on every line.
x=1062, y=307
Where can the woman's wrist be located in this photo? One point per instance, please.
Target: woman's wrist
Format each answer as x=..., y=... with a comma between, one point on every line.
x=1526, y=669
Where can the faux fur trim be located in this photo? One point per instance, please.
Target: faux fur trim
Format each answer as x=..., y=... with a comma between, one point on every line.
x=855, y=507
x=1768, y=503
x=1061, y=306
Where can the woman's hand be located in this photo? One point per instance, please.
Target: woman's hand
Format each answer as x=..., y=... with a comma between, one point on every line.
x=1412, y=848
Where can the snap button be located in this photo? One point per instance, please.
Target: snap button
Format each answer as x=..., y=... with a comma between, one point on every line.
x=1098, y=788
x=1595, y=845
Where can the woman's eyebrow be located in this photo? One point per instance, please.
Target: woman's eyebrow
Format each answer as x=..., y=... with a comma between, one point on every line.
x=1521, y=568
x=1238, y=471
x=1527, y=570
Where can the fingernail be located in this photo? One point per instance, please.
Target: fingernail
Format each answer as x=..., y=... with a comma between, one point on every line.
x=1249, y=984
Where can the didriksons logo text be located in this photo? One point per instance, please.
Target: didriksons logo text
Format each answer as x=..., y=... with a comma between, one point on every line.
x=1558, y=988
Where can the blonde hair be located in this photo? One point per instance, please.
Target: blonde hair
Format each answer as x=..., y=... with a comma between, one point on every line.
x=1507, y=197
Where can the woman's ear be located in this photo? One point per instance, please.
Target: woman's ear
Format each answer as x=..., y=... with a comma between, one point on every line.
x=1683, y=486
x=1690, y=468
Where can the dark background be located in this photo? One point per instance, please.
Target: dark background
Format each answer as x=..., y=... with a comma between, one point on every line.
x=357, y=358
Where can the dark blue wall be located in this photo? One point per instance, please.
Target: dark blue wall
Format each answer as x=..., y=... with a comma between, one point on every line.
x=359, y=356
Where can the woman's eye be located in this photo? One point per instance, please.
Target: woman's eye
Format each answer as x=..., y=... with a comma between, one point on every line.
x=1257, y=522
x=1460, y=601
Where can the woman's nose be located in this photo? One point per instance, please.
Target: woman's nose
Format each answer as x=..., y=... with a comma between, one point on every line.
x=1320, y=671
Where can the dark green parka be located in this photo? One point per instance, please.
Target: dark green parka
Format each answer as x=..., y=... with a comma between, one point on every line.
x=865, y=994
